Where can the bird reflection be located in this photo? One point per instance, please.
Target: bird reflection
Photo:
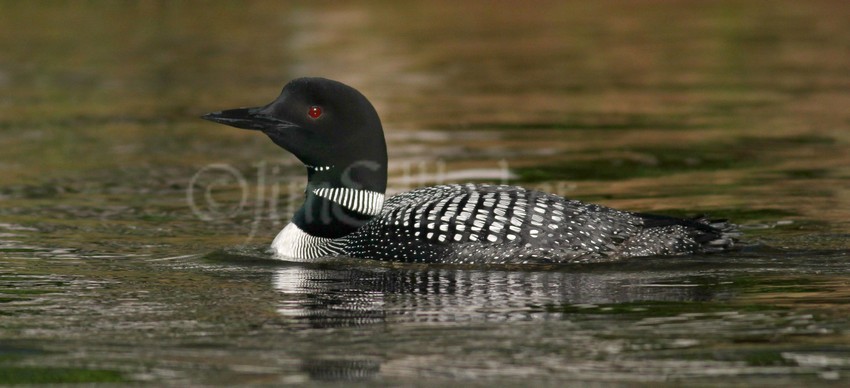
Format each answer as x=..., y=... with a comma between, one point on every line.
x=342, y=369
x=322, y=297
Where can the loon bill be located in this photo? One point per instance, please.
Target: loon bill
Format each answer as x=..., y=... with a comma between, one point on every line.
x=334, y=130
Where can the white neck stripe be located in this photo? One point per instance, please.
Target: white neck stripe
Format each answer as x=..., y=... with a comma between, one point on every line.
x=362, y=201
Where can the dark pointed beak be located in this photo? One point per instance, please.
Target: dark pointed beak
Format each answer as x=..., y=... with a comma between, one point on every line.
x=247, y=118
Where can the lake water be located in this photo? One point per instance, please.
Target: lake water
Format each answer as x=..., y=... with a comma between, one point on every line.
x=132, y=233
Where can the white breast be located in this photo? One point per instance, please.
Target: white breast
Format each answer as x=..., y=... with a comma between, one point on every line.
x=294, y=244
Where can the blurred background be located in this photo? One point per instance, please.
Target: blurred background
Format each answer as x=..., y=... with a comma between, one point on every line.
x=738, y=109
x=721, y=105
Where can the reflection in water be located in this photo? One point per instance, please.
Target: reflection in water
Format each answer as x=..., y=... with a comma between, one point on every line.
x=353, y=297
x=341, y=370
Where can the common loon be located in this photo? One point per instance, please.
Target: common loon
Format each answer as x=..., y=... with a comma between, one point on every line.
x=334, y=130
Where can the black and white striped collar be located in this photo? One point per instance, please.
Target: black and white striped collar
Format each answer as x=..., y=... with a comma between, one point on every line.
x=361, y=201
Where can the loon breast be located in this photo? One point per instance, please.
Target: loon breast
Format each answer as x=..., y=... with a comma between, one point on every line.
x=491, y=224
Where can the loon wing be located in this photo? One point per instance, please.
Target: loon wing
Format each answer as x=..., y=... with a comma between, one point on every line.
x=491, y=224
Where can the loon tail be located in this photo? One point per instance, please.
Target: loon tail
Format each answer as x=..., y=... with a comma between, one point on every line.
x=725, y=234
x=711, y=235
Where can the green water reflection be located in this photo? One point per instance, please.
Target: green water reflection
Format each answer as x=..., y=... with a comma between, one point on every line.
x=111, y=272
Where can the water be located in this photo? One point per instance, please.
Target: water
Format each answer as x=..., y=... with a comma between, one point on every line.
x=112, y=270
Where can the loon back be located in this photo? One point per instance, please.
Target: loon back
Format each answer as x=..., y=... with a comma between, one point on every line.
x=336, y=133
x=486, y=224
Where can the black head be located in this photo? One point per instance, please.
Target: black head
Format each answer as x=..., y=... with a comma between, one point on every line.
x=322, y=122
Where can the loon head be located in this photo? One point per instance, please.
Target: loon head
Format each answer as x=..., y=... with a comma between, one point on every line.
x=331, y=127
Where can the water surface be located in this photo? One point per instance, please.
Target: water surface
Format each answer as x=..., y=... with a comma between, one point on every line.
x=132, y=234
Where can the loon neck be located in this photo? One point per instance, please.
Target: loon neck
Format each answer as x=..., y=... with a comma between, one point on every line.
x=339, y=199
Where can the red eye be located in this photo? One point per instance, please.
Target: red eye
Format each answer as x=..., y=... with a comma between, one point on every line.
x=315, y=111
